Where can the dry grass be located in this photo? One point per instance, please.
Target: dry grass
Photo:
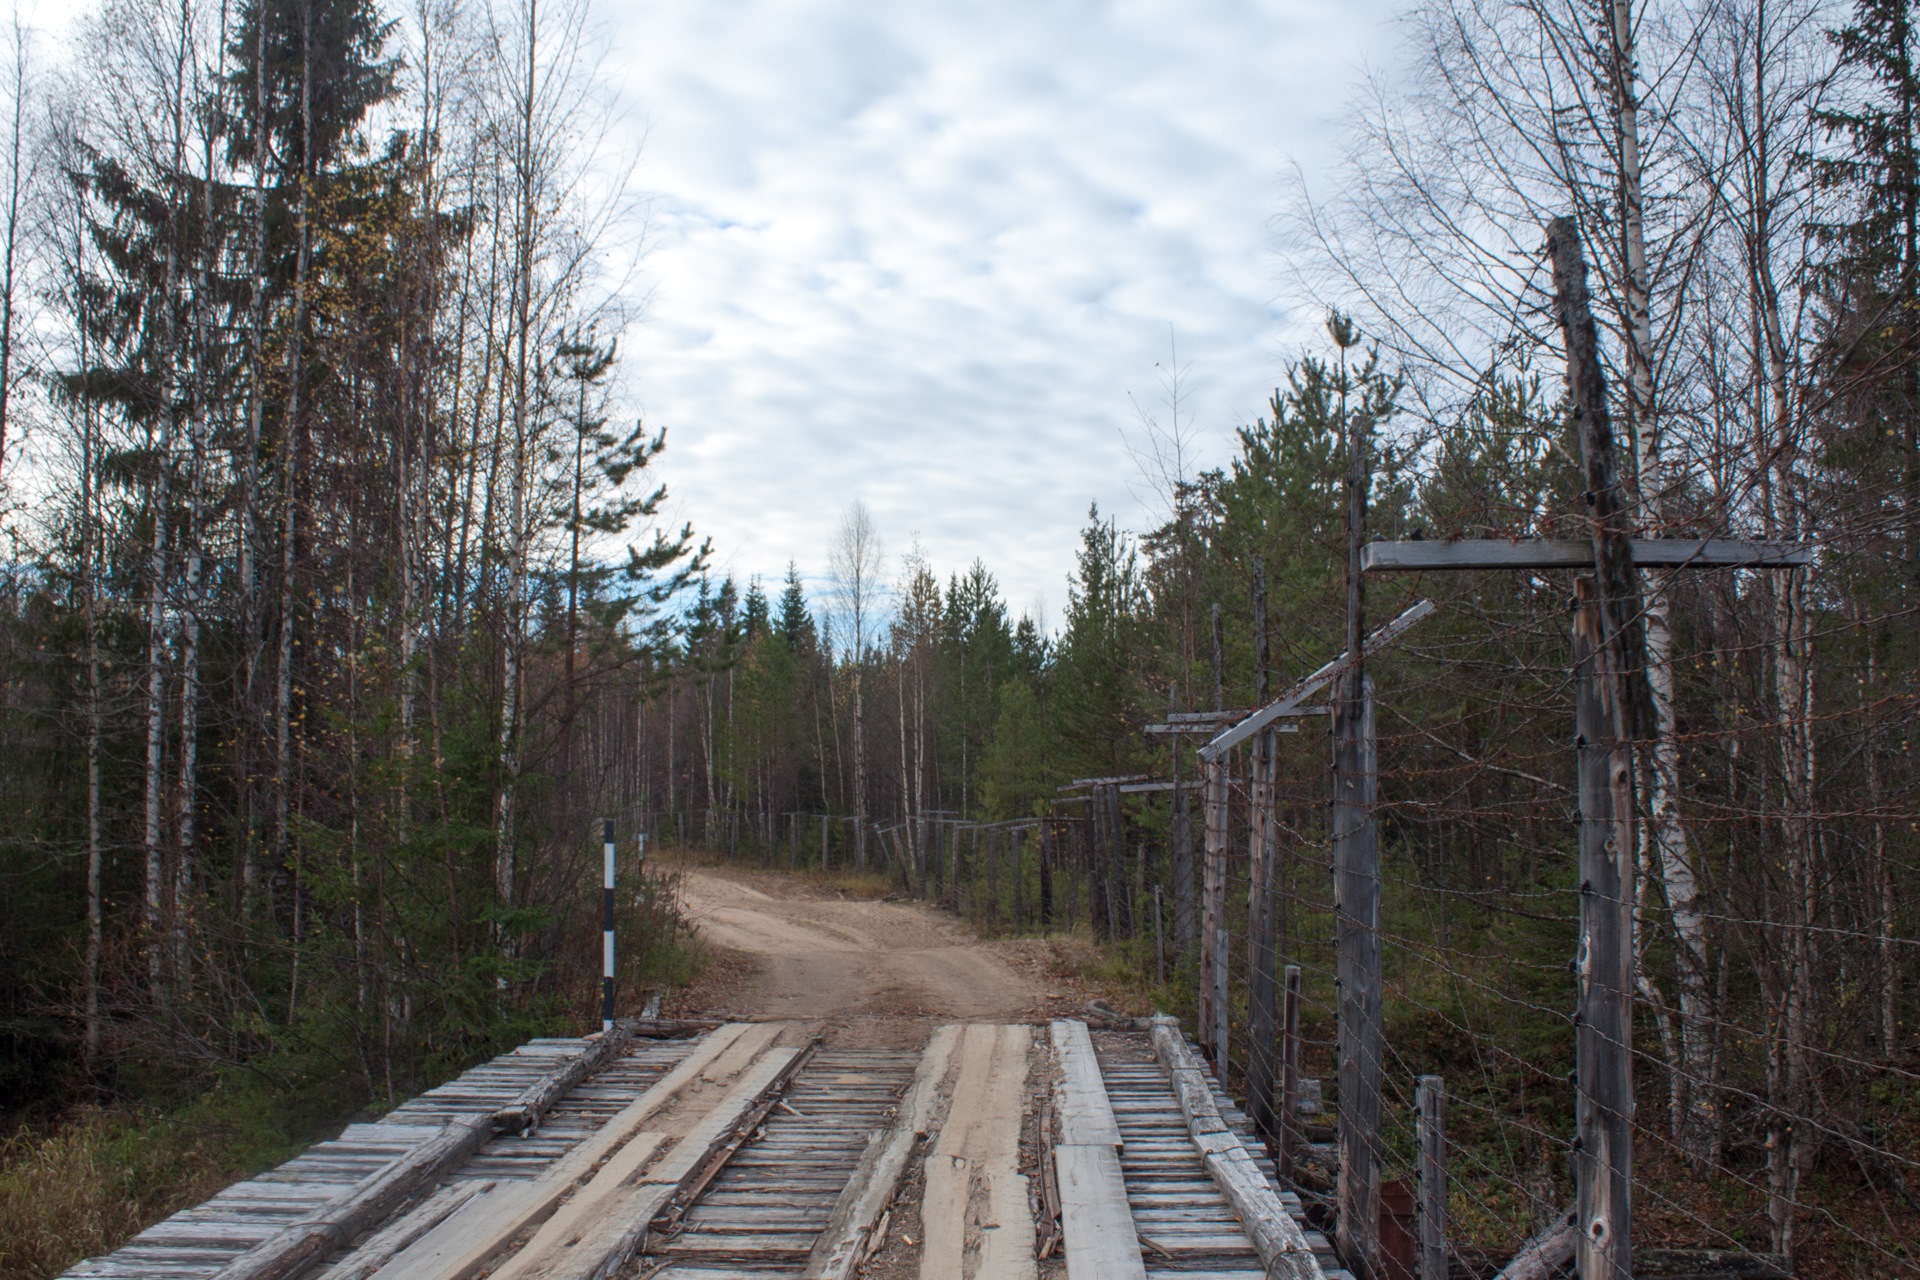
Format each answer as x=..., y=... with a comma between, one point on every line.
x=85, y=1185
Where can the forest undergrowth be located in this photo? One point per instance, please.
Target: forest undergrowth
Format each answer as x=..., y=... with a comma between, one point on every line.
x=80, y=1181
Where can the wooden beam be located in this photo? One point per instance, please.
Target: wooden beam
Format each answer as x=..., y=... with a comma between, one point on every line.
x=842, y=1245
x=524, y=1113
x=1611, y=709
x=1213, y=917
x=1577, y=553
x=1289, y=702
x=1359, y=1024
x=1262, y=949
x=1095, y=1220
x=1086, y=1114
x=1209, y=728
x=1287, y=1134
x=1277, y=1238
x=1430, y=1141
x=340, y=1221
x=1081, y=783
x=1603, y=1052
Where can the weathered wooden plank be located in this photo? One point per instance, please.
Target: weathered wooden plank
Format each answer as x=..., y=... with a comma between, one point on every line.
x=975, y=1165
x=1282, y=1246
x=335, y=1224
x=381, y=1247
x=1086, y=1116
x=1577, y=553
x=1094, y=1219
x=463, y=1244
x=526, y=1111
x=842, y=1244
x=605, y=1223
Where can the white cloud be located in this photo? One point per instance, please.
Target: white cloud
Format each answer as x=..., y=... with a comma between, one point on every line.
x=920, y=253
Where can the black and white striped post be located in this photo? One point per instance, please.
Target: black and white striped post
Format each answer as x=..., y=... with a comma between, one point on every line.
x=606, y=924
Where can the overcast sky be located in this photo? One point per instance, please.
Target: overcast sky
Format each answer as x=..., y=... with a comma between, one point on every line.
x=920, y=253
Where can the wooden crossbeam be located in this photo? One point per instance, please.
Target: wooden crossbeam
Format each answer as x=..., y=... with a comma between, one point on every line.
x=1288, y=703
x=1079, y=783
x=1577, y=553
x=1210, y=727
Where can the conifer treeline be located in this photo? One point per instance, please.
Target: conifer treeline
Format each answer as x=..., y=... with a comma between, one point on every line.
x=311, y=624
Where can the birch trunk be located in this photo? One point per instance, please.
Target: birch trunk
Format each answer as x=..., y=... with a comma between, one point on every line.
x=518, y=532
x=859, y=771
x=12, y=232
x=1700, y=1130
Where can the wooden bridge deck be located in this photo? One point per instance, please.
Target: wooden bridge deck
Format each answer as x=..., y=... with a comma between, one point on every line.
x=749, y=1152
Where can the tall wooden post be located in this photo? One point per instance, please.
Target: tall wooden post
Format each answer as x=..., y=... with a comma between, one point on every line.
x=1219, y=661
x=1213, y=920
x=1603, y=1108
x=1260, y=935
x=1430, y=1136
x=1608, y=654
x=1356, y=857
x=1262, y=993
x=1287, y=1131
x=1046, y=875
x=1099, y=891
x=1356, y=892
x=1184, y=928
x=1159, y=942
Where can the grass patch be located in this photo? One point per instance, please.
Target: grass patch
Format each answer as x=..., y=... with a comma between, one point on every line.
x=81, y=1186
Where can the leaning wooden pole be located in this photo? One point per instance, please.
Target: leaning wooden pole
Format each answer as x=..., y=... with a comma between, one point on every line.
x=1609, y=683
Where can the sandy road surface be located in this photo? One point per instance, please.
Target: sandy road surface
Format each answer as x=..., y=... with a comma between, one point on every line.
x=818, y=956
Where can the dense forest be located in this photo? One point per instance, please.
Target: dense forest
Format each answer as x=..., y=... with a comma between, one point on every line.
x=338, y=606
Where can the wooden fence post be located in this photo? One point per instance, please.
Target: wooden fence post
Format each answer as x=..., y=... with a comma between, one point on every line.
x=1287, y=1134
x=1260, y=847
x=1260, y=941
x=1159, y=942
x=1608, y=705
x=1356, y=856
x=1019, y=839
x=1430, y=1135
x=1603, y=1109
x=1046, y=877
x=1213, y=921
x=1099, y=893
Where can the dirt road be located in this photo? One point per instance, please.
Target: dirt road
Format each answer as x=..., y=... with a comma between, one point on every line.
x=813, y=955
